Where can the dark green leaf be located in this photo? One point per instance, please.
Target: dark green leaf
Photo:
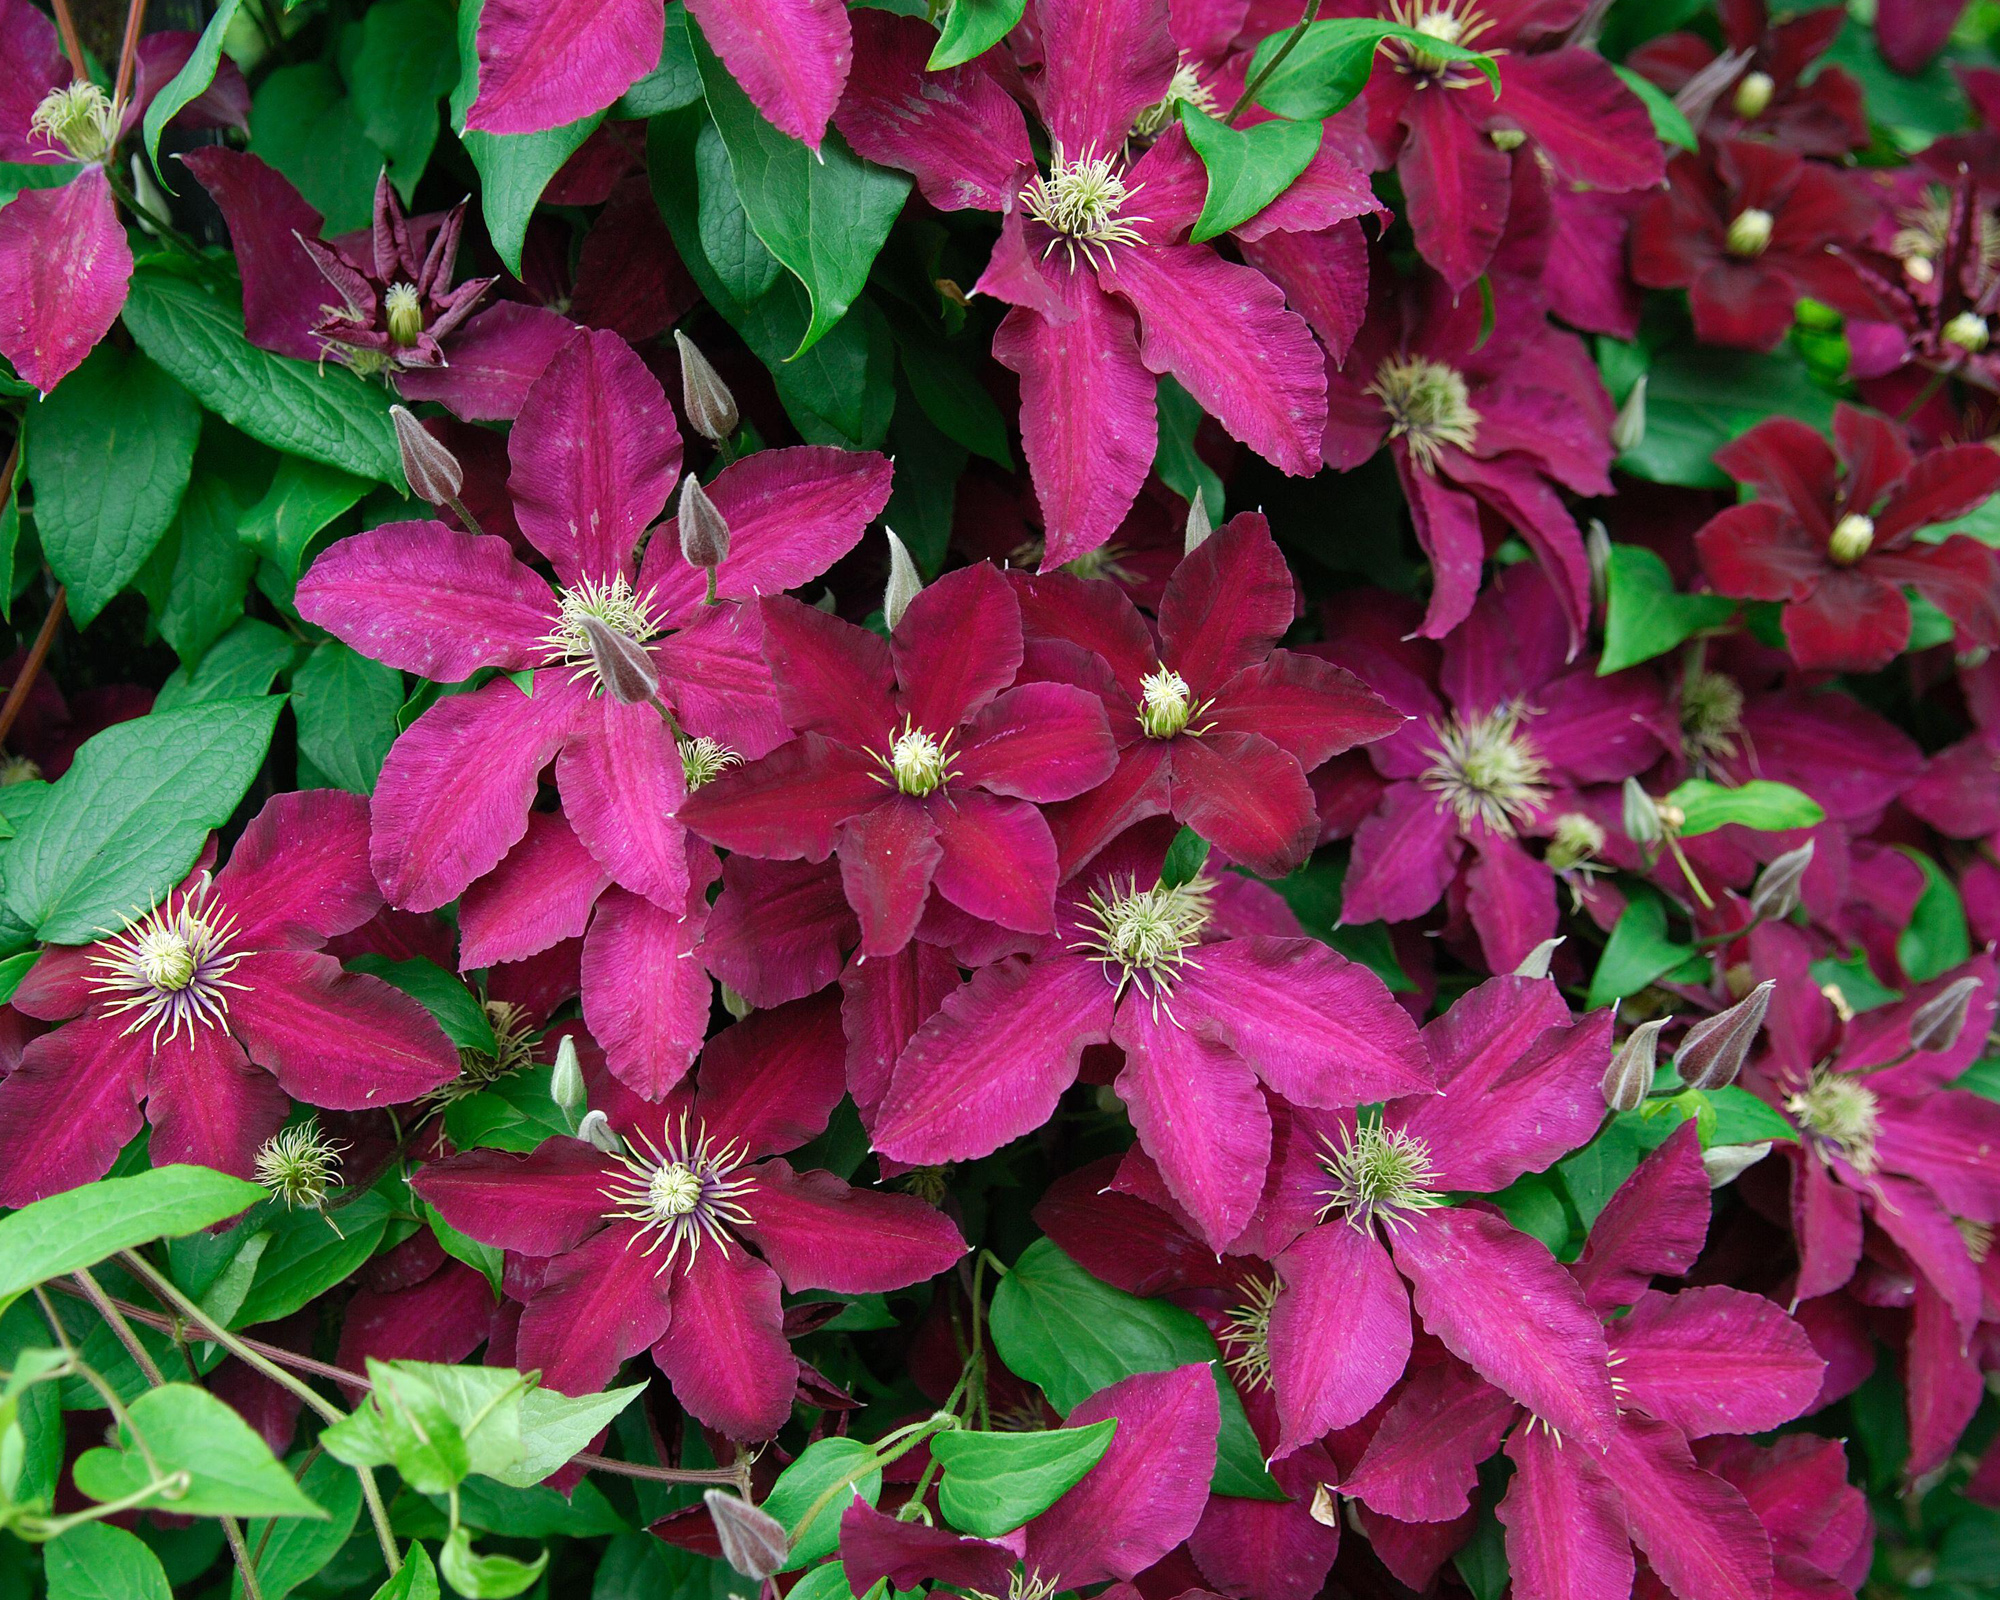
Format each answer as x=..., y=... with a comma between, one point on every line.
x=306, y=1257
x=240, y=666
x=13, y=970
x=1185, y=857
x=674, y=83
x=445, y=997
x=1247, y=168
x=729, y=242
x=109, y=454
x=231, y=1471
x=1532, y=1204
x=190, y=83
x=302, y=123
x=517, y=1113
x=211, y=572
x=1329, y=66
x=1179, y=465
x=1482, y=1562
x=1593, y=1174
x=1670, y=123
x=1937, y=938
x=994, y=1482
x=820, y=1465
x=346, y=708
x=949, y=391
x=293, y=1548
x=1638, y=951
x=1645, y=616
x=95, y=1561
x=537, y=1513
x=1761, y=804
x=407, y=62
x=971, y=28
x=303, y=498
x=1914, y=108
x=1698, y=398
x=10, y=542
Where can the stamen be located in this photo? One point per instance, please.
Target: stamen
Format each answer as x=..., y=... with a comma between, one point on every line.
x=78, y=117
x=1185, y=88
x=1486, y=772
x=405, y=313
x=1147, y=934
x=300, y=1165
x=916, y=763
x=170, y=966
x=1451, y=23
x=1840, y=1110
x=703, y=760
x=1248, y=1330
x=513, y=1049
x=615, y=605
x=1711, y=715
x=1749, y=232
x=1852, y=536
x=1378, y=1171
x=682, y=1190
x=1166, y=704
x=1079, y=201
x=1429, y=406
x=1576, y=845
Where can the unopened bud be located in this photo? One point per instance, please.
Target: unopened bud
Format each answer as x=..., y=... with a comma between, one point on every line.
x=566, y=1084
x=704, y=530
x=1753, y=95
x=1725, y=1163
x=1937, y=1023
x=1851, y=537
x=1535, y=964
x=1323, y=1509
x=1749, y=233
x=595, y=1129
x=1632, y=1067
x=710, y=407
x=904, y=584
x=431, y=470
x=1199, y=526
x=737, y=1005
x=1777, y=893
x=1597, y=548
x=1716, y=1047
x=753, y=1542
x=1507, y=139
x=1640, y=814
x=1967, y=330
x=1628, y=428
x=623, y=667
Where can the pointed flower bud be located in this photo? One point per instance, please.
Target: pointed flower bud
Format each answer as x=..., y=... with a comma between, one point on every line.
x=1631, y=1071
x=1199, y=526
x=753, y=1542
x=710, y=407
x=1535, y=964
x=566, y=1084
x=621, y=663
x=1749, y=232
x=1640, y=815
x=1725, y=1163
x=704, y=531
x=904, y=585
x=1936, y=1024
x=1628, y=428
x=1753, y=95
x=1715, y=1048
x=1777, y=893
x=595, y=1129
x=1597, y=549
x=432, y=471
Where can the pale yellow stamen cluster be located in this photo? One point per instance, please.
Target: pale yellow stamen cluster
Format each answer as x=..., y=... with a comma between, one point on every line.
x=1429, y=406
x=1486, y=771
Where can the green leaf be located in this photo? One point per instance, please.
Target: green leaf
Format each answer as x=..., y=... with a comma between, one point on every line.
x=730, y=243
x=945, y=386
x=1247, y=168
x=1761, y=804
x=1329, y=66
x=1184, y=858
x=95, y=1561
x=674, y=83
x=331, y=416
x=536, y=1513
x=346, y=708
x=1670, y=123
x=517, y=1113
x=445, y=997
x=190, y=83
x=554, y=1426
x=824, y=216
x=81, y=1227
x=488, y=1577
x=1741, y=1118
x=1638, y=951
x=1914, y=108
x=408, y=61
x=416, y=1580
x=824, y=1582
x=1699, y=397
x=231, y=1471
x=1176, y=460
x=306, y=1257
x=211, y=569
x=1059, y=1327
x=1482, y=1562
x=303, y=498
x=1937, y=938
x=241, y=666
x=293, y=1549
x=109, y=454
x=1645, y=615
x=10, y=542
x=13, y=970
x=1532, y=1204
x=122, y=826
x=302, y=123
x=971, y=28
x=820, y=1465
x=488, y=1259
x=994, y=1482
x=1593, y=1174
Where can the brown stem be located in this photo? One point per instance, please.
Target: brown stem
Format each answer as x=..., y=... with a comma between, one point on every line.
x=38, y=652
x=107, y=1308
x=71, y=42
x=128, y=51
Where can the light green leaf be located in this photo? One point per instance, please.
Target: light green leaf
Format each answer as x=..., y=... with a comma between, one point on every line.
x=346, y=708
x=555, y=1426
x=1670, y=123
x=1761, y=804
x=445, y=997
x=820, y=1465
x=240, y=666
x=1741, y=1118
x=485, y=1577
x=231, y=1471
x=674, y=83
x=971, y=28
x=517, y=1113
x=13, y=970
x=994, y=1482
x=1329, y=66
x=109, y=454
x=306, y=1257
x=190, y=83
x=1937, y=938
x=828, y=1581
x=1531, y=1203
x=488, y=1259
x=1645, y=615
x=293, y=1549
x=1638, y=951
x=1247, y=168
x=95, y=1561
x=331, y=416
x=81, y=1227
x=408, y=61
x=122, y=826
x=417, y=1580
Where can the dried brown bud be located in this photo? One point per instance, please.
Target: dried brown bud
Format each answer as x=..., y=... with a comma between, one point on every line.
x=711, y=408
x=1937, y=1023
x=1630, y=1074
x=1715, y=1048
x=622, y=664
x=432, y=471
x=704, y=532
x=753, y=1542
x=1777, y=893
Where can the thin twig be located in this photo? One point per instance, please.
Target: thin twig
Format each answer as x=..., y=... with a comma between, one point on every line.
x=72, y=44
x=38, y=652
x=128, y=51
x=141, y=1357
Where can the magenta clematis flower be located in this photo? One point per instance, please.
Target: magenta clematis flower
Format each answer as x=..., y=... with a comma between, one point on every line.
x=1202, y=1023
x=1216, y=727
x=215, y=1009
x=917, y=762
x=1477, y=418
x=681, y=1242
x=595, y=453
x=1106, y=292
x=1822, y=1536
x=1749, y=229
x=1831, y=536
x=1447, y=133
x=1959, y=792
x=1506, y=741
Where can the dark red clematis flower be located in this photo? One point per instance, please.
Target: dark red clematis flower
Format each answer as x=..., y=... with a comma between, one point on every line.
x=1832, y=536
x=1749, y=230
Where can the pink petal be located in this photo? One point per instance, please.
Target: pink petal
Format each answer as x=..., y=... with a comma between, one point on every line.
x=1826, y=1222
x=1566, y=1535
x=832, y=677
x=790, y=56
x=422, y=598
x=712, y=673
x=299, y=874
x=1340, y=1332
x=1226, y=605
x=29, y=45
x=1146, y=1493
x=1665, y=1495
x=957, y=646
x=1945, y=1384
x=770, y=1082
x=1423, y=1462
x=1592, y=128
x=992, y=1063
x=1909, y=1214
x=779, y=931
x=337, y=1039
x=1714, y=1360
x=1950, y=1142
x=645, y=996
x=1500, y=1303
x=496, y=356
x=1247, y=797
x=883, y=1003
x=544, y=63
x=544, y=1203
x=1325, y=279
x=1140, y=786
x=790, y=804
x=1306, y=706
x=725, y=1351
x=70, y=1107
x=1040, y=742
x=454, y=793
x=209, y=1106
x=888, y=855
x=282, y=292
x=1103, y=63
x=1655, y=1223
x=1264, y=1549
x=1511, y=898
x=1448, y=528
x=64, y=267
x=595, y=450
x=1524, y=498
x=598, y=1306
x=540, y=895
x=999, y=860
x=621, y=777
x=1455, y=187
x=875, y=1546
x=1404, y=856
x=821, y=1234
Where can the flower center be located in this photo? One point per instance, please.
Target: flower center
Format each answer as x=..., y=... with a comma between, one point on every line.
x=1079, y=201
x=405, y=314
x=1486, y=771
x=1166, y=704
x=1147, y=933
x=1968, y=331
x=1185, y=88
x=1577, y=843
x=703, y=760
x=1711, y=715
x=1749, y=233
x=513, y=1049
x=79, y=118
x=1451, y=23
x=300, y=1165
x=1840, y=1110
x=18, y=769
x=171, y=967
x=1429, y=406
x=1377, y=1171
x=918, y=761
x=612, y=604
x=1753, y=95
x=1247, y=1331
x=680, y=1191
x=1852, y=535
x=1978, y=1237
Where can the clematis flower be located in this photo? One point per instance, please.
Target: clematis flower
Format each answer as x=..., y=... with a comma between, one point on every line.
x=1477, y=418
x=918, y=762
x=215, y=1008
x=1831, y=536
x=1506, y=742
x=680, y=1242
x=1202, y=1022
x=1910, y=32
x=1821, y=1533
x=1959, y=792
x=1092, y=256
x=1749, y=229
x=1216, y=727
x=1449, y=135
x=594, y=454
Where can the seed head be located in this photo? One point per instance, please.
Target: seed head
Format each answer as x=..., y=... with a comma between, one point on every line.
x=300, y=1165
x=710, y=407
x=1749, y=233
x=1711, y=715
x=1851, y=537
x=1429, y=407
